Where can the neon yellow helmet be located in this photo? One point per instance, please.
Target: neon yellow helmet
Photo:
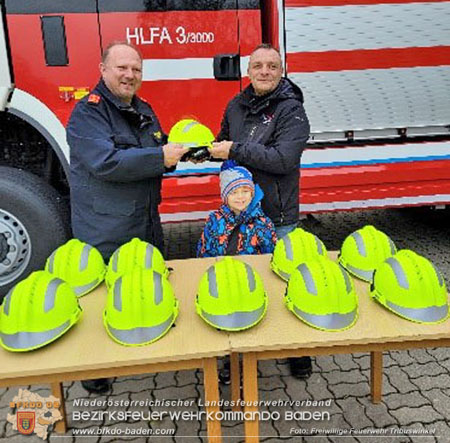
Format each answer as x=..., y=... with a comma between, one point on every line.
x=231, y=296
x=78, y=264
x=294, y=248
x=321, y=294
x=191, y=134
x=135, y=253
x=37, y=311
x=365, y=249
x=141, y=307
x=412, y=287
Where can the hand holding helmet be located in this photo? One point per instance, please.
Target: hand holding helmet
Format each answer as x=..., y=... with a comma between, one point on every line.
x=173, y=154
x=221, y=150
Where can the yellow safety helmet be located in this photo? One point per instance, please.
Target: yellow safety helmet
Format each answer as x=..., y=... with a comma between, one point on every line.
x=79, y=264
x=412, y=287
x=294, y=248
x=365, y=249
x=191, y=134
x=135, y=253
x=37, y=311
x=141, y=307
x=231, y=296
x=321, y=294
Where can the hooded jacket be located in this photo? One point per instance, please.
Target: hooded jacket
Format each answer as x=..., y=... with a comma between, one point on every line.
x=116, y=165
x=255, y=231
x=269, y=134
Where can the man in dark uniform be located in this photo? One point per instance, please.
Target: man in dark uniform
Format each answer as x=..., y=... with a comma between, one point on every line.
x=265, y=129
x=118, y=155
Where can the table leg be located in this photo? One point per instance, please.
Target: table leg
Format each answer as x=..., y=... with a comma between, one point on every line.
x=57, y=391
x=211, y=384
x=235, y=381
x=376, y=375
x=250, y=371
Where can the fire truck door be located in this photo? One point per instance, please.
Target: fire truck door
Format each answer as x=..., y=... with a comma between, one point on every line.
x=190, y=51
x=55, y=50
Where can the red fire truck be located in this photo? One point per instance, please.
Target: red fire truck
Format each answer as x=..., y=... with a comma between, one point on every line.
x=375, y=75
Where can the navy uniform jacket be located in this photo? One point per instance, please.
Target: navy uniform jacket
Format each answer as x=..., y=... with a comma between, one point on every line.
x=269, y=134
x=116, y=166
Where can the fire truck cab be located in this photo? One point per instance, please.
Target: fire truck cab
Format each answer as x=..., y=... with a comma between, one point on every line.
x=375, y=75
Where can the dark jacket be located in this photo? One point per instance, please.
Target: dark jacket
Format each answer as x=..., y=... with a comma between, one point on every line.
x=116, y=167
x=269, y=134
x=255, y=231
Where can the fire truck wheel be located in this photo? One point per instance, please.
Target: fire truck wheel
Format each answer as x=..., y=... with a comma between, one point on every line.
x=33, y=222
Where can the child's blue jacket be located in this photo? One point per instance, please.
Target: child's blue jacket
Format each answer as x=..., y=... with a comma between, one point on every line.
x=256, y=232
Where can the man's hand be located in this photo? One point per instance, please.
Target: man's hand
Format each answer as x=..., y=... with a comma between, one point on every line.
x=221, y=150
x=172, y=154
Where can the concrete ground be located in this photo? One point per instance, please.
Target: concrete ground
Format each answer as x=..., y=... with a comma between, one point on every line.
x=416, y=384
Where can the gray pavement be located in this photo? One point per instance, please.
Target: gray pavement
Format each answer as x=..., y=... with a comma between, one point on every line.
x=416, y=384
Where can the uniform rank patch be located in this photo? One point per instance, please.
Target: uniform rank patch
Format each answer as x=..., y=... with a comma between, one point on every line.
x=157, y=135
x=94, y=98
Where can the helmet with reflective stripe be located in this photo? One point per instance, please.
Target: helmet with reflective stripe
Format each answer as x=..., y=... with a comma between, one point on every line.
x=191, y=134
x=36, y=312
x=294, y=248
x=78, y=264
x=411, y=287
x=134, y=253
x=321, y=294
x=231, y=296
x=141, y=307
x=365, y=249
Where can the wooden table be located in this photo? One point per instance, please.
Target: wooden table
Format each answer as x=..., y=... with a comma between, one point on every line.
x=282, y=335
x=87, y=352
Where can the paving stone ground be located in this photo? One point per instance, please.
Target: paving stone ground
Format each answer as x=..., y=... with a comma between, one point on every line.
x=416, y=384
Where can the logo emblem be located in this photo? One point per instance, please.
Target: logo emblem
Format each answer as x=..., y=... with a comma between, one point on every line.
x=267, y=118
x=157, y=135
x=25, y=422
x=33, y=413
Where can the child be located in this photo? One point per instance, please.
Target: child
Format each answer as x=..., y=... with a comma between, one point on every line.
x=239, y=226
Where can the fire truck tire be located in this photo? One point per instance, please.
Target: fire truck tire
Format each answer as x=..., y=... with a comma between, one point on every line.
x=33, y=222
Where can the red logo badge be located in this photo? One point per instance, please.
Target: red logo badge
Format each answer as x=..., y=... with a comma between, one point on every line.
x=25, y=422
x=94, y=98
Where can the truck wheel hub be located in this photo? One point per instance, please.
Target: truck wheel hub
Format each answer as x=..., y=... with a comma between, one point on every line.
x=15, y=247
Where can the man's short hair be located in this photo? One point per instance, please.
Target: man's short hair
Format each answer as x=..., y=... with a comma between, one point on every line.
x=266, y=46
x=111, y=45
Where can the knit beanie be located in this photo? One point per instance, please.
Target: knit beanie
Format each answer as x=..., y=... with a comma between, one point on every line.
x=232, y=177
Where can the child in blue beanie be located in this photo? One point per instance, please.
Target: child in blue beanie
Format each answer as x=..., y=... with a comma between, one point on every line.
x=239, y=226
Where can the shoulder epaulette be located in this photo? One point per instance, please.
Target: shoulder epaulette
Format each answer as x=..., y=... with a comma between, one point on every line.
x=94, y=98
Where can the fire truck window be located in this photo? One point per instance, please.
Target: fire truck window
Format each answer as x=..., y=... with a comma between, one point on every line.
x=249, y=4
x=131, y=5
x=202, y=5
x=155, y=5
x=211, y=5
x=174, y=5
x=54, y=39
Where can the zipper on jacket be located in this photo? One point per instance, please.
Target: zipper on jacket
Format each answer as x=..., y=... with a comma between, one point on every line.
x=281, y=202
x=252, y=132
x=149, y=220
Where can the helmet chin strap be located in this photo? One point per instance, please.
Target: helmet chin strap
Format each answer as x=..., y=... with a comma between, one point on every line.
x=200, y=153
